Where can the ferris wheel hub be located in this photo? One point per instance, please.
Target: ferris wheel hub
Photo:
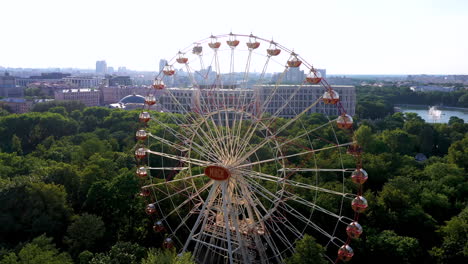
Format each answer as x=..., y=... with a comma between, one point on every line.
x=217, y=173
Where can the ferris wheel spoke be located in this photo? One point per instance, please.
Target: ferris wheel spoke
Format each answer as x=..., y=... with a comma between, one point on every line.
x=313, y=169
x=227, y=224
x=170, y=195
x=313, y=206
x=289, y=156
x=271, y=178
x=172, y=181
x=203, y=215
x=307, y=133
x=180, y=158
x=275, y=89
x=305, y=220
x=189, y=199
x=249, y=194
x=169, y=143
x=190, y=129
x=195, y=147
x=279, y=230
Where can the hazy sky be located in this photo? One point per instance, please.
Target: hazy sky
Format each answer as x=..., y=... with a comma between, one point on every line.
x=343, y=36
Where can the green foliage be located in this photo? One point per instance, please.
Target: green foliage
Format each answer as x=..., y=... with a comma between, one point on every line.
x=121, y=253
x=85, y=257
x=68, y=172
x=158, y=256
x=393, y=248
x=40, y=251
x=307, y=251
x=84, y=233
x=458, y=152
x=68, y=105
x=30, y=209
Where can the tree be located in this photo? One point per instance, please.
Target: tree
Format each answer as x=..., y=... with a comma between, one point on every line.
x=30, y=209
x=121, y=253
x=388, y=247
x=455, y=120
x=16, y=145
x=158, y=256
x=84, y=233
x=307, y=251
x=85, y=257
x=399, y=141
x=454, y=247
x=458, y=153
x=40, y=251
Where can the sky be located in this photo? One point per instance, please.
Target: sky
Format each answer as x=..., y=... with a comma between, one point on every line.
x=343, y=36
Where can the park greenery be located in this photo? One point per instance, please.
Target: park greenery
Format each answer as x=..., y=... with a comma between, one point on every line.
x=68, y=192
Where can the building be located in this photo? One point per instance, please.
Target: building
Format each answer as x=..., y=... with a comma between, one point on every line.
x=17, y=105
x=101, y=67
x=130, y=102
x=8, y=86
x=112, y=94
x=268, y=98
x=84, y=81
x=302, y=97
x=114, y=80
x=89, y=97
x=49, y=77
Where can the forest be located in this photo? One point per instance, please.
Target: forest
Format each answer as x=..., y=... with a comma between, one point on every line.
x=68, y=191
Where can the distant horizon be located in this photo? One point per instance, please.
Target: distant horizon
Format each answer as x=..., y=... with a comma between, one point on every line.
x=359, y=37
x=5, y=68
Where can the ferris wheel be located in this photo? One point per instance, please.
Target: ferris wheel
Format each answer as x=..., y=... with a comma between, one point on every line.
x=235, y=165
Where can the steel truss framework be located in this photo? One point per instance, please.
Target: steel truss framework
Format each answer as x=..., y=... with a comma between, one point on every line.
x=266, y=188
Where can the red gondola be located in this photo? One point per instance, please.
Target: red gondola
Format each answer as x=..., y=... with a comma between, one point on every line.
x=168, y=70
x=294, y=61
x=141, y=135
x=359, y=176
x=168, y=243
x=144, y=117
x=150, y=99
x=331, y=97
x=158, y=226
x=345, y=253
x=140, y=153
x=232, y=41
x=181, y=59
x=359, y=204
x=214, y=44
x=354, y=230
x=142, y=172
x=314, y=77
x=344, y=121
x=150, y=209
x=158, y=84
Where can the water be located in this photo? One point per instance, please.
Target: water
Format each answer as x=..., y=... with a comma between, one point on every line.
x=423, y=112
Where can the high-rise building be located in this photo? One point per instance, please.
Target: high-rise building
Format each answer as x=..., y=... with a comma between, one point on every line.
x=101, y=67
x=162, y=63
x=8, y=86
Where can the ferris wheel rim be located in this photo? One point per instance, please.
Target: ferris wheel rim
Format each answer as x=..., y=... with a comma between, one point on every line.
x=284, y=169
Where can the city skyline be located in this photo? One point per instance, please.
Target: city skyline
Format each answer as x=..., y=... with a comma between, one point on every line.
x=362, y=37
